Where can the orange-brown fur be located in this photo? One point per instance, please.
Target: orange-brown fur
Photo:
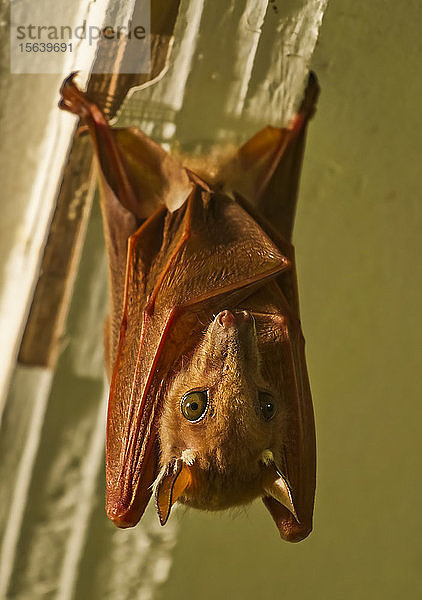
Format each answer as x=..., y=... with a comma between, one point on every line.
x=228, y=443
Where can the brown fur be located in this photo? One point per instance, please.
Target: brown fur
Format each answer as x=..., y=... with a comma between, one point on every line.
x=227, y=444
x=179, y=251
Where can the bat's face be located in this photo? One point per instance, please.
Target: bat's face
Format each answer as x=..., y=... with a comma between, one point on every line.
x=220, y=423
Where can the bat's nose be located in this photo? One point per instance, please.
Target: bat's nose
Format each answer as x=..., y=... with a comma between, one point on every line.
x=228, y=319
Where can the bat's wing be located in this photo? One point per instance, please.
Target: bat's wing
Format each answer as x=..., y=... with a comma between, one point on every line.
x=182, y=263
x=142, y=175
x=273, y=159
x=282, y=350
x=136, y=177
x=185, y=258
x=266, y=170
x=298, y=448
x=264, y=175
x=209, y=252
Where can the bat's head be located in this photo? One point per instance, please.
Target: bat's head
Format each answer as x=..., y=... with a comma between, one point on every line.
x=221, y=427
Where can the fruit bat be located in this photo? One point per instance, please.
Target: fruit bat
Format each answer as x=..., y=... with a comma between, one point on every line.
x=210, y=403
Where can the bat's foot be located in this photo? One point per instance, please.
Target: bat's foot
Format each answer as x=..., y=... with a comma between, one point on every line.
x=307, y=108
x=76, y=101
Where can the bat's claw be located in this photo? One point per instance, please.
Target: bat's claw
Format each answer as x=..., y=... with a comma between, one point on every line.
x=307, y=108
x=308, y=105
x=77, y=102
x=73, y=99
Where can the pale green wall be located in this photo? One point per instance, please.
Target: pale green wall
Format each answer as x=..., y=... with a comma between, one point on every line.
x=358, y=247
x=358, y=238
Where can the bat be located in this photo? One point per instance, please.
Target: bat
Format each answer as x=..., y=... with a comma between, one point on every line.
x=210, y=403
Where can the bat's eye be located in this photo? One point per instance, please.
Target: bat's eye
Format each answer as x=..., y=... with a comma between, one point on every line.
x=194, y=405
x=267, y=404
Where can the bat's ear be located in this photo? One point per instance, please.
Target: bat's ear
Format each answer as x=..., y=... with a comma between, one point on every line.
x=276, y=486
x=279, y=500
x=171, y=484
